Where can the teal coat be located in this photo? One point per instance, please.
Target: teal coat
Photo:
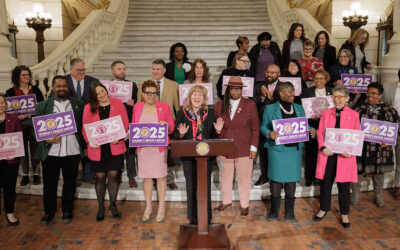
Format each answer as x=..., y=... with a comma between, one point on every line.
x=284, y=163
x=46, y=107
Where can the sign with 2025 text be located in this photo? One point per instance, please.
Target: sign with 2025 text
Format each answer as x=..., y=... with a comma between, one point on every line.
x=105, y=131
x=344, y=140
x=356, y=82
x=58, y=124
x=184, y=91
x=378, y=131
x=314, y=106
x=11, y=145
x=296, y=81
x=21, y=105
x=248, y=83
x=119, y=89
x=148, y=135
x=291, y=130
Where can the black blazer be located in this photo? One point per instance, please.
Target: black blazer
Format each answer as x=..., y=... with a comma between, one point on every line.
x=348, y=45
x=36, y=91
x=87, y=81
x=255, y=53
x=310, y=92
x=329, y=56
x=208, y=123
x=170, y=70
x=230, y=72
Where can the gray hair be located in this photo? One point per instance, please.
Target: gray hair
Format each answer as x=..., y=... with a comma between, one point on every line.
x=348, y=54
x=75, y=61
x=160, y=62
x=341, y=89
x=283, y=85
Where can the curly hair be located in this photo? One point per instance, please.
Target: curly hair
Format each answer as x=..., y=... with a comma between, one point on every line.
x=16, y=73
x=172, y=50
x=206, y=73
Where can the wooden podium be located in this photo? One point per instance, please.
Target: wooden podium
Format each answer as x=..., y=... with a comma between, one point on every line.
x=203, y=236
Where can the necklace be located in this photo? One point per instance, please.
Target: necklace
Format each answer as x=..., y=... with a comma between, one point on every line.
x=285, y=111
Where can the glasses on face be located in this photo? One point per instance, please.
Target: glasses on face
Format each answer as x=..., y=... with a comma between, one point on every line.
x=308, y=49
x=244, y=61
x=372, y=93
x=319, y=78
x=339, y=97
x=151, y=93
x=80, y=70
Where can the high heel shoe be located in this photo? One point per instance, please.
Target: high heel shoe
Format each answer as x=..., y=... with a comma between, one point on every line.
x=145, y=217
x=14, y=224
x=345, y=224
x=317, y=218
x=100, y=215
x=114, y=210
x=160, y=218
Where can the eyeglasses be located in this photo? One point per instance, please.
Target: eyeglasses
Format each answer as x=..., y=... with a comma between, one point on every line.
x=372, y=93
x=152, y=93
x=319, y=78
x=80, y=70
x=340, y=97
x=244, y=61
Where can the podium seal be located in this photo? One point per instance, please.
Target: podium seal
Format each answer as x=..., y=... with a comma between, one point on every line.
x=202, y=148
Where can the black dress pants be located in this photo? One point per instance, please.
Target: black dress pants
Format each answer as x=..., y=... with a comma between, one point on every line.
x=8, y=180
x=190, y=171
x=326, y=188
x=311, y=155
x=51, y=173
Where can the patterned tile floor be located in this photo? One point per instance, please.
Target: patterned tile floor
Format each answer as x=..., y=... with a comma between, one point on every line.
x=371, y=227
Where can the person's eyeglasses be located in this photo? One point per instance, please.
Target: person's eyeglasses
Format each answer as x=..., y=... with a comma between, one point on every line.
x=80, y=70
x=244, y=61
x=308, y=49
x=340, y=97
x=372, y=93
x=319, y=78
x=151, y=93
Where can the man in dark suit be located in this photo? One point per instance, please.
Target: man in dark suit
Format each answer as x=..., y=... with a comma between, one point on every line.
x=78, y=87
x=78, y=81
x=118, y=71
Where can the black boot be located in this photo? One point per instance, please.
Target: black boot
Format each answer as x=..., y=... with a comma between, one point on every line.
x=275, y=206
x=289, y=208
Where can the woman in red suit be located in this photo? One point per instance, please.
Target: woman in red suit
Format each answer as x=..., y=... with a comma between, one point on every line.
x=152, y=161
x=240, y=117
x=107, y=159
x=9, y=167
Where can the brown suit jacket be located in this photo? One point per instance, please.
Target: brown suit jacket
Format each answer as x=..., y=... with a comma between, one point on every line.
x=244, y=128
x=170, y=95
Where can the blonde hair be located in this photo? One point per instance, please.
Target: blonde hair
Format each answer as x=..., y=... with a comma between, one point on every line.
x=357, y=34
x=238, y=56
x=197, y=88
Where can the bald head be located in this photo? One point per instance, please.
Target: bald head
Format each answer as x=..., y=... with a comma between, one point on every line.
x=272, y=73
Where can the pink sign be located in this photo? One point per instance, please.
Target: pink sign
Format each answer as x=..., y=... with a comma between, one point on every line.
x=119, y=89
x=11, y=145
x=184, y=91
x=314, y=106
x=248, y=83
x=296, y=81
x=105, y=131
x=344, y=140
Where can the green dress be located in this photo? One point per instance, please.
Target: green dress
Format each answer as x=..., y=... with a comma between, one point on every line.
x=179, y=75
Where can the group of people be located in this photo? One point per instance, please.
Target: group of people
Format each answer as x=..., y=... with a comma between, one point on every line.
x=247, y=120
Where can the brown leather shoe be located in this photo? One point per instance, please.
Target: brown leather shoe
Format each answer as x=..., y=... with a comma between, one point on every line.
x=244, y=211
x=222, y=207
x=132, y=182
x=396, y=193
x=172, y=186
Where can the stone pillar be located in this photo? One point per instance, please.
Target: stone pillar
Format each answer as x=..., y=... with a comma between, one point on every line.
x=7, y=62
x=391, y=61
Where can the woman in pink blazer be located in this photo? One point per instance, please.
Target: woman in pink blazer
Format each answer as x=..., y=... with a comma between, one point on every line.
x=152, y=161
x=329, y=165
x=107, y=159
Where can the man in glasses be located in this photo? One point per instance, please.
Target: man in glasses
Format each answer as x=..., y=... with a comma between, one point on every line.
x=169, y=93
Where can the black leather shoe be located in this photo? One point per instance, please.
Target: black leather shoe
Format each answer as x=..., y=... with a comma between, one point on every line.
x=67, y=218
x=261, y=182
x=115, y=213
x=24, y=181
x=14, y=224
x=100, y=215
x=345, y=224
x=36, y=180
x=46, y=219
x=316, y=218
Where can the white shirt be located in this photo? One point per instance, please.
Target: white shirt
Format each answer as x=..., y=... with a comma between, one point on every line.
x=81, y=82
x=233, y=107
x=320, y=92
x=161, y=86
x=68, y=144
x=396, y=103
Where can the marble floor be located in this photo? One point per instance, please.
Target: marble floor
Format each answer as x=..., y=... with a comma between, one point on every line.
x=371, y=227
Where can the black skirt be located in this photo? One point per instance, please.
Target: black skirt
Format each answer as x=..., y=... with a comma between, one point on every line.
x=108, y=162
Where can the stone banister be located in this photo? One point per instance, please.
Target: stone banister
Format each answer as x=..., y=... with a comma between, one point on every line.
x=100, y=31
x=282, y=17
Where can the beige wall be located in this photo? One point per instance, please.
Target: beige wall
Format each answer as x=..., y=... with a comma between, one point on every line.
x=375, y=9
x=26, y=45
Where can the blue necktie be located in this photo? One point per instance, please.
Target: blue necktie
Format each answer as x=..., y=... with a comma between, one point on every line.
x=78, y=90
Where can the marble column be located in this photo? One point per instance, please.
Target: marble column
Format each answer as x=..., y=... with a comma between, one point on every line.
x=7, y=62
x=391, y=61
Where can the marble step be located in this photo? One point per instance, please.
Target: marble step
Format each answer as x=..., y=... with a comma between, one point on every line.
x=183, y=38
x=208, y=56
x=200, y=28
x=188, y=43
x=209, y=18
x=189, y=32
x=122, y=50
x=192, y=23
x=190, y=11
x=87, y=191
